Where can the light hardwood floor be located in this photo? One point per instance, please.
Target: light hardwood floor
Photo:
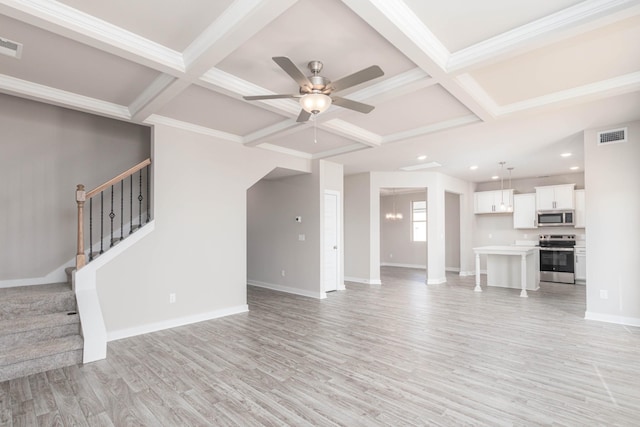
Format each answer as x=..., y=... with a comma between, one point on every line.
x=403, y=353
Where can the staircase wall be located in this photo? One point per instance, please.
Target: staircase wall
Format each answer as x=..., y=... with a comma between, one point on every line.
x=198, y=248
x=46, y=152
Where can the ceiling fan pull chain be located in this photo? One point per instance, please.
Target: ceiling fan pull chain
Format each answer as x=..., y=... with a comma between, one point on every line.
x=315, y=129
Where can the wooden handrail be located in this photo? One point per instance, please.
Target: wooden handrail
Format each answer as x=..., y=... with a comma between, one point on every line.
x=118, y=178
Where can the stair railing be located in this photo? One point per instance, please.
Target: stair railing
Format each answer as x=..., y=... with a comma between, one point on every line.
x=134, y=173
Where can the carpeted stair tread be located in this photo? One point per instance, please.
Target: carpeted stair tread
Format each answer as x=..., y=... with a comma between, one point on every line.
x=36, y=300
x=41, y=350
x=29, y=329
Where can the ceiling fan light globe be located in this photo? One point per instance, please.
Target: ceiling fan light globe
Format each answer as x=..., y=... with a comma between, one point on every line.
x=315, y=103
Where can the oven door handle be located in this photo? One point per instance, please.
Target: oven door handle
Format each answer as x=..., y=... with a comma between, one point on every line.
x=557, y=249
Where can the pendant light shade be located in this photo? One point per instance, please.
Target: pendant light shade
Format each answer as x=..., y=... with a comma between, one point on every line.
x=315, y=103
x=395, y=215
x=503, y=207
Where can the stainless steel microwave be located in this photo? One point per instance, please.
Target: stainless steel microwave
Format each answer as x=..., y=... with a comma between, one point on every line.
x=556, y=218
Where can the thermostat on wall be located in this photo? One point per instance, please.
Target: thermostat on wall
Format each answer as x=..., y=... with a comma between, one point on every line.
x=298, y=219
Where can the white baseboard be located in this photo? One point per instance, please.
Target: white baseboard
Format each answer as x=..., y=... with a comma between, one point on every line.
x=362, y=280
x=452, y=269
x=287, y=289
x=437, y=281
x=467, y=273
x=396, y=264
x=609, y=318
x=174, y=323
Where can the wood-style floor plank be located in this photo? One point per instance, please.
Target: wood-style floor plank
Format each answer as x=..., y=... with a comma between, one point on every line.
x=401, y=354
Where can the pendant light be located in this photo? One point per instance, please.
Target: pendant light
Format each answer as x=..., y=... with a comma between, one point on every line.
x=510, y=207
x=503, y=208
x=395, y=215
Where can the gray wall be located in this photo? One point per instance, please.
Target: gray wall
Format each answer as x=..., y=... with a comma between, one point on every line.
x=44, y=152
x=357, y=223
x=613, y=221
x=273, y=244
x=396, y=247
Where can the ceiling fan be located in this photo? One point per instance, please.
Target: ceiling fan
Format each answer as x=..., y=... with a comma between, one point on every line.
x=316, y=91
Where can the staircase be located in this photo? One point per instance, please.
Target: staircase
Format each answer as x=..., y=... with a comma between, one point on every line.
x=39, y=330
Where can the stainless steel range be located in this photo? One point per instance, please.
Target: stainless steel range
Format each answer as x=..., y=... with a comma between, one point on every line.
x=556, y=258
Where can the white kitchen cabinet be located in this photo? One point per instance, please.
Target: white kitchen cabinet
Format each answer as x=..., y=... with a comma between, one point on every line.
x=555, y=197
x=580, y=264
x=580, y=209
x=524, y=211
x=490, y=201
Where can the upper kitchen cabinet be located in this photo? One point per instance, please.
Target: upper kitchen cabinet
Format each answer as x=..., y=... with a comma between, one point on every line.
x=524, y=211
x=555, y=197
x=491, y=201
x=580, y=209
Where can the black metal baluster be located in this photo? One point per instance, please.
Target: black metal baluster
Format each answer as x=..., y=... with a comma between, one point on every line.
x=148, y=196
x=91, y=229
x=121, y=210
x=112, y=215
x=131, y=204
x=140, y=198
x=101, y=221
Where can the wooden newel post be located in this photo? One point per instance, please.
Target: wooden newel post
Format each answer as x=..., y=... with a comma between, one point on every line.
x=80, y=198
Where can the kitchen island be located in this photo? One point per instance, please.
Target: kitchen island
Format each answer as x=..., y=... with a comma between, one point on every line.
x=510, y=267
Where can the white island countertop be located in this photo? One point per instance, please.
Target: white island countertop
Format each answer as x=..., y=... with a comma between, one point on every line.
x=528, y=277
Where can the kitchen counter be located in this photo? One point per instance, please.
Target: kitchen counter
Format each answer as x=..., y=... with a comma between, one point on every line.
x=504, y=269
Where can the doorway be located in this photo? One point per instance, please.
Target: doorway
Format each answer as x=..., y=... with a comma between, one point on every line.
x=330, y=268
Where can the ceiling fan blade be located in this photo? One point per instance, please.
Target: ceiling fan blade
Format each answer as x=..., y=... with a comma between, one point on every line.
x=290, y=68
x=261, y=97
x=303, y=116
x=352, y=105
x=356, y=78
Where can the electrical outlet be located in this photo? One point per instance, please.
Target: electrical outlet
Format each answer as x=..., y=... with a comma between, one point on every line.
x=604, y=294
x=282, y=273
x=172, y=298
x=301, y=237
x=390, y=255
x=490, y=236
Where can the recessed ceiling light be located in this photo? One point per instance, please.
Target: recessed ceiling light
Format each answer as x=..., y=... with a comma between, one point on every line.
x=474, y=167
x=495, y=177
x=565, y=155
x=422, y=157
x=574, y=168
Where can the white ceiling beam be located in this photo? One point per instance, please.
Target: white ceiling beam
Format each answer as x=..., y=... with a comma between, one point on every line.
x=396, y=22
x=238, y=23
x=341, y=150
x=435, y=127
x=73, y=24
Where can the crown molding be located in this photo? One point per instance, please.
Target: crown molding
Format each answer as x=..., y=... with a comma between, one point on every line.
x=394, y=86
x=152, y=91
x=288, y=151
x=535, y=31
x=436, y=127
x=477, y=92
x=602, y=89
x=37, y=92
x=156, y=119
x=343, y=128
x=341, y=150
x=277, y=128
x=79, y=26
x=237, y=87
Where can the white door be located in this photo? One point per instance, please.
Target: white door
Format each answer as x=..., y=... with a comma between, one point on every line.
x=330, y=268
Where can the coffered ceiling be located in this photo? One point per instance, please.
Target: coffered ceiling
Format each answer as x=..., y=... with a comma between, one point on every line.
x=465, y=82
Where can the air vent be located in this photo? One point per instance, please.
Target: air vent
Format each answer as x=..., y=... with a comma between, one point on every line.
x=612, y=136
x=10, y=48
x=422, y=166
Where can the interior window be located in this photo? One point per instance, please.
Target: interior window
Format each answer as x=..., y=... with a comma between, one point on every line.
x=418, y=221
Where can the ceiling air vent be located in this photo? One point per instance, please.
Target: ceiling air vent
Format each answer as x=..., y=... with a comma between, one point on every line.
x=10, y=48
x=612, y=136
